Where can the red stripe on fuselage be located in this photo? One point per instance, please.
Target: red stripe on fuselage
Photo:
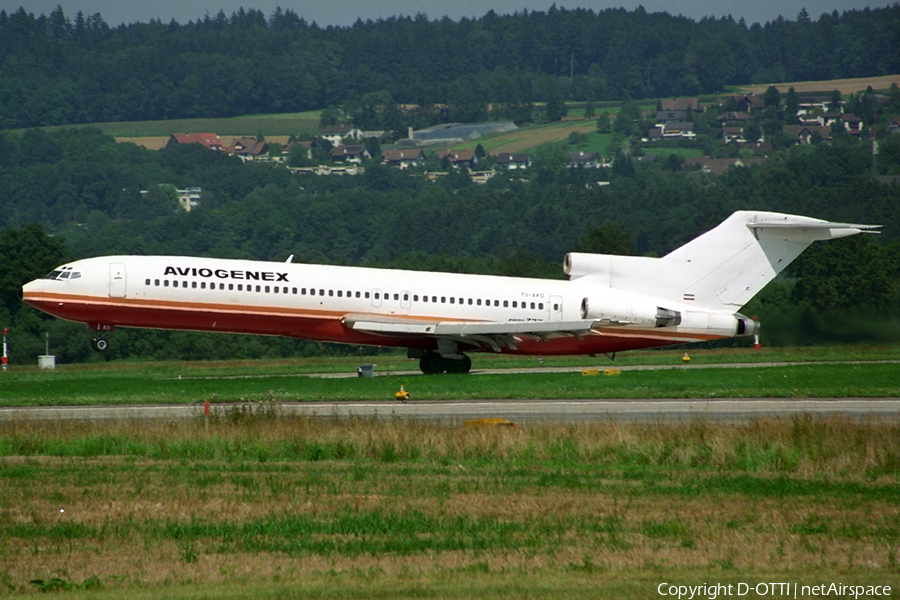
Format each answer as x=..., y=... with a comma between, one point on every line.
x=318, y=325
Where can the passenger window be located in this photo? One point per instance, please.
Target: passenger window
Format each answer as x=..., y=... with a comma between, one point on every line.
x=434, y=298
x=367, y=295
x=541, y=306
x=194, y=284
x=267, y=289
x=202, y=285
x=443, y=299
x=165, y=283
x=156, y=282
x=258, y=288
x=396, y=296
x=340, y=294
x=294, y=290
x=147, y=282
x=415, y=297
x=515, y=305
x=478, y=302
x=470, y=302
x=532, y=305
x=357, y=294
x=240, y=287
x=452, y=300
x=424, y=298
x=505, y=303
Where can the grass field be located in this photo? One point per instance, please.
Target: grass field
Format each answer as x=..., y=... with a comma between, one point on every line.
x=274, y=507
x=268, y=125
x=845, y=86
x=185, y=383
x=270, y=506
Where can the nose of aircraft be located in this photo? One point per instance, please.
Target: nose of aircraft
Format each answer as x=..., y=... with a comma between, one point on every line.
x=31, y=288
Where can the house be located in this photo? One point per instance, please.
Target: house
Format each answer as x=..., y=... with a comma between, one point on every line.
x=403, y=158
x=732, y=134
x=807, y=105
x=248, y=147
x=852, y=123
x=680, y=104
x=748, y=102
x=683, y=130
x=337, y=134
x=670, y=116
x=584, y=159
x=806, y=134
x=717, y=166
x=210, y=140
x=459, y=158
x=733, y=116
x=757, y=147
x=894, y=125
x=512, y=161
x=352, y=154
x=189, y=198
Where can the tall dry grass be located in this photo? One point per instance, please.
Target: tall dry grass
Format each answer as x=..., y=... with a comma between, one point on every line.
x=256, y=498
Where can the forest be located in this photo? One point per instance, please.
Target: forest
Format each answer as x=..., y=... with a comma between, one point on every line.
x=57, y=69
x=60, y=202
x=73, y=192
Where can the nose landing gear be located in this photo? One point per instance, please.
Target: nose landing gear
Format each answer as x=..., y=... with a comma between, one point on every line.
x=100, y=343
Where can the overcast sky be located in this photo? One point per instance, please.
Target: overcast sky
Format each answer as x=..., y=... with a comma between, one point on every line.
x=345, y=12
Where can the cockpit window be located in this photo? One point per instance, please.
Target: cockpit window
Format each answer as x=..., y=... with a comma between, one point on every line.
x=63, y=273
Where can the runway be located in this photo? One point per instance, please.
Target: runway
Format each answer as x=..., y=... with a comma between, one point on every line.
x=519, y=411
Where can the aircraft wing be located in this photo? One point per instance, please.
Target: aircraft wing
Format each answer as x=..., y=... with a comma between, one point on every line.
x=476, y=332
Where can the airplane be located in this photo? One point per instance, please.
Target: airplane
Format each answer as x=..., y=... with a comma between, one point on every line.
x=609, y=303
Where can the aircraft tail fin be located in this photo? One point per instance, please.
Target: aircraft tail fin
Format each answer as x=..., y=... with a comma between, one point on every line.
x=723, y=268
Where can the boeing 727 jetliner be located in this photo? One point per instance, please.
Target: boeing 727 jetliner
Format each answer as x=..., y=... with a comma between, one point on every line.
x=609, y=304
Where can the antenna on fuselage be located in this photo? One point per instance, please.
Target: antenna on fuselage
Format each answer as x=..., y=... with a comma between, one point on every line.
x=290, y=258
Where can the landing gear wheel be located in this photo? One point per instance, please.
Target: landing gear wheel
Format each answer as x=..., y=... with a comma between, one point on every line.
x=431, y=363
x=100, y=344
x=458, y=365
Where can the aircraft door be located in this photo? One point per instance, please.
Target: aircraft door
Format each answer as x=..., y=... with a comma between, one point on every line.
x=405, y=299
x=555, y=306
x=117, y=280
x=376, y=298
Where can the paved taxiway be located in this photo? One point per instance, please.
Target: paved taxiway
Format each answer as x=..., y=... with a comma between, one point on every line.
x=520, y=411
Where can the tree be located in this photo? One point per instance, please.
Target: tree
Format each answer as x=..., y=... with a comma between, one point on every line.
x=609, y=238
x=28, y=253
x=843, y=274
x=751, y=132
x=772, y=97
x=791, y=106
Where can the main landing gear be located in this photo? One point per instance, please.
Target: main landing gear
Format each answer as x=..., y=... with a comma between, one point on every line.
x=433, y=363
